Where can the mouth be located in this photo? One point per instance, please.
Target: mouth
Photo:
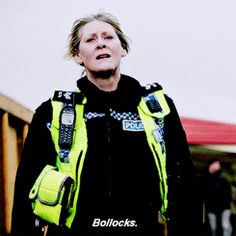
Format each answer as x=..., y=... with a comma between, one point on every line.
x=102, y=56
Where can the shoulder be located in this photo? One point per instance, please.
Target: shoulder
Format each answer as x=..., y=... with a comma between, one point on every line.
x=135, y=83
x=151, y=88
x=41, y=117
x=44, y=111
x=44, y=106
x=223, y=178
x=154, y=87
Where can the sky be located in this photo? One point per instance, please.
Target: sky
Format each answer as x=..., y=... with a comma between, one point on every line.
x=187, y=46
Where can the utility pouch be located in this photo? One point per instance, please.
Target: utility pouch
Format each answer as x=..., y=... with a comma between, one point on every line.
x=50, y=195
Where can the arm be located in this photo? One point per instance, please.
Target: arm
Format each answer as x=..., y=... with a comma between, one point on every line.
x=185, y=205
x=37, y=152
x=226, y=187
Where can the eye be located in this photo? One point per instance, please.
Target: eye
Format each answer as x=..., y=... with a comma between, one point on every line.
x=90, y=40
x=109, y=37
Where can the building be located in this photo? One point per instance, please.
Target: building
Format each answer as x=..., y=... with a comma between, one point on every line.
x=209, y=139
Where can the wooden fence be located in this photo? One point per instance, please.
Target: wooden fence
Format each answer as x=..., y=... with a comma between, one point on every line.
x=14, y=122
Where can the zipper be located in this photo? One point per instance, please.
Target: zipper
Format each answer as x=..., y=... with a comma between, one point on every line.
x=109, y=154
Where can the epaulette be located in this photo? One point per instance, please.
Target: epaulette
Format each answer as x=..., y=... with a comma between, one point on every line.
x=150, y=98
x=150, y=88
x=68, y=97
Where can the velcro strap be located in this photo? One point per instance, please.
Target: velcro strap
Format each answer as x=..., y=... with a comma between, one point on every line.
x=68, y=97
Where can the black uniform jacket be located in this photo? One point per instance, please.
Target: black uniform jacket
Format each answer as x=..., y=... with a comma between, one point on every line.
x=119, y=179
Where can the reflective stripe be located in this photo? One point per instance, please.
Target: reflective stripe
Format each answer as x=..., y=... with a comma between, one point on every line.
x=153, y=123
x=77, y=153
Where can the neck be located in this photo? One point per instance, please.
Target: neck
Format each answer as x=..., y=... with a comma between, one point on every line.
x=105, y=80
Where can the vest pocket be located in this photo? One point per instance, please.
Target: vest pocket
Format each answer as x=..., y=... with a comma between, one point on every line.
x=50, y=195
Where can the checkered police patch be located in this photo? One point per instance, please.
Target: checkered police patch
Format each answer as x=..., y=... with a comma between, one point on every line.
x=93, y=115
x=132, y=125
x=124, y=115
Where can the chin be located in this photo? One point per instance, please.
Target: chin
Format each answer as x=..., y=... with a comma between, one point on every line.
x=105, y=74
x=105, y=67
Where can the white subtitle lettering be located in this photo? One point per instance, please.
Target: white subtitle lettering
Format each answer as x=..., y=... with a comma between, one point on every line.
x=110, y=222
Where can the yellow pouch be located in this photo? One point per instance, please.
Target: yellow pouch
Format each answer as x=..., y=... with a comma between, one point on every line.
x=50, y=195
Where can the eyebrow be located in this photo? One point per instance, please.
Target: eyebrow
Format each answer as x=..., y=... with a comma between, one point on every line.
x=103, y=33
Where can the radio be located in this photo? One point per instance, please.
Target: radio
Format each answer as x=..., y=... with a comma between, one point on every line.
x=67, y=122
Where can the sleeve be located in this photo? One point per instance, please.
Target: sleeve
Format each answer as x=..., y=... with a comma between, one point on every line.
x=227, y=191
x=38, y=151
x=185, y=203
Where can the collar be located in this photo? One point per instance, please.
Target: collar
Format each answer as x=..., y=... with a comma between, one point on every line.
x=128, y=89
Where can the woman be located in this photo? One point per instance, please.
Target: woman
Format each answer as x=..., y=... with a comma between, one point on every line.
x=122, y=146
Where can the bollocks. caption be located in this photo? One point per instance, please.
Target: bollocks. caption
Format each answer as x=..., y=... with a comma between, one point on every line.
x=113, y=223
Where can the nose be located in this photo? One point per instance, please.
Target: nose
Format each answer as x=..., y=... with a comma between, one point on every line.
x=101, y=44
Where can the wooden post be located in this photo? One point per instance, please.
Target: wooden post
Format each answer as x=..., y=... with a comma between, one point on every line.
x=2, y=205
x=25, y=131
x=12, y=135
x=4, y=164
x=11, y=151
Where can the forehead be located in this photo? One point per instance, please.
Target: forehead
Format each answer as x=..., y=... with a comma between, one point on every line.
x=215, y=163
x=96, y=26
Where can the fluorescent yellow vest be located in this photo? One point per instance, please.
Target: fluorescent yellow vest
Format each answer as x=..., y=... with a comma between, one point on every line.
x=77, y=153
x=153, y=124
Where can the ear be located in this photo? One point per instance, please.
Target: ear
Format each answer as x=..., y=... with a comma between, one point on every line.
x=78, y=59
x=123, y=52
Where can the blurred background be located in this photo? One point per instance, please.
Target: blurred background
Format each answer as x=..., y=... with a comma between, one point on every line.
x=186, y=46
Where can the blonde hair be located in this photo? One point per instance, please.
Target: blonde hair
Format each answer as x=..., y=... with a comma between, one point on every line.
x=74, y=37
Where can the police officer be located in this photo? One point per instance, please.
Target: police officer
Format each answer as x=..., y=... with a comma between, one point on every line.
x=111, y=157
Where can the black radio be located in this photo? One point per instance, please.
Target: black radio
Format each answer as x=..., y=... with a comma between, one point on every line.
x=67, y=122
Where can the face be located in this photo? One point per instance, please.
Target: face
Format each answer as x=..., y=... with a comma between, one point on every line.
x=214, y=167
x=100, y=48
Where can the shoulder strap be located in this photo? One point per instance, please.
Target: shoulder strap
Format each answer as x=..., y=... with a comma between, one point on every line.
x=68, y=97
x=152, y=109
x=153, y=102
x=70, y=161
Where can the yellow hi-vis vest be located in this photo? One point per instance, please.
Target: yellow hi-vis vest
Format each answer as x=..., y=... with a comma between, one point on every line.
x=77, y=152
x=153, y=125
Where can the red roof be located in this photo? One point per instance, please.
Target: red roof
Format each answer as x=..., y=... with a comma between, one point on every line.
x=209, y=132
